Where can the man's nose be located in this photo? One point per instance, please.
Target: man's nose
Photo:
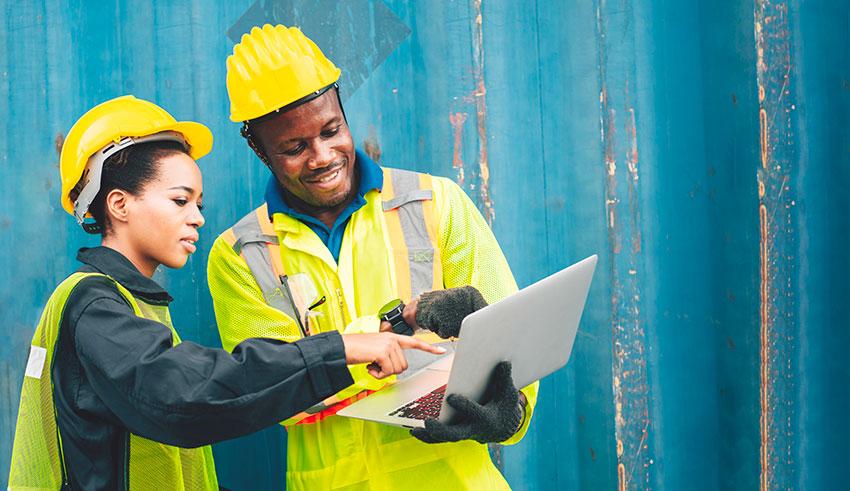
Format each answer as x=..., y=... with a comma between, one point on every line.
x=323, y=155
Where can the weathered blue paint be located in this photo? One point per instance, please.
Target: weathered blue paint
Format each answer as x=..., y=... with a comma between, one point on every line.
x=778, y=245
x=727, y=96
x=700, y=148
x=802, y=187
x=618, y=128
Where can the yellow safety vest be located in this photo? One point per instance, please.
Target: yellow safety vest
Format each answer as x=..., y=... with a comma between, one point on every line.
x=391, y=248
x=37, y=462
x=406, y=197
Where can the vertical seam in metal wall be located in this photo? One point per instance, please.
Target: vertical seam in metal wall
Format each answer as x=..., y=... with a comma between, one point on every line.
x=540, y=115
x=479, y=92
x=480, y=97
x=630, y=387
x=779, y=257
x=764, y=348
x=545, y=194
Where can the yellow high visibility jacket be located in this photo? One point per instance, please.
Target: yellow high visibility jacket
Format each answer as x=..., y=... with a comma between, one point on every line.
x=418, y=233
x=37, y=462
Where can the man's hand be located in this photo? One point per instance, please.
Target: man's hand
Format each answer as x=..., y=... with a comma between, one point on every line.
x=494, y=421
x=383, y=351
x=442, y=311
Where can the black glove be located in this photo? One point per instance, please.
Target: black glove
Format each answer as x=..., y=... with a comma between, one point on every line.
x=495, y=421
x=442, y=311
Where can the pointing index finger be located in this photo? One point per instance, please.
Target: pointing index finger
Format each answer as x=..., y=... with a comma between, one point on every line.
x=409, y=342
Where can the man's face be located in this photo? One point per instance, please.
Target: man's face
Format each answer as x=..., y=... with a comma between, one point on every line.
x=311, y=153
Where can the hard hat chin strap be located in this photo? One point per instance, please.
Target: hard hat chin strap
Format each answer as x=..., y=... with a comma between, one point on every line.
x=248, y=135
x=245, y=131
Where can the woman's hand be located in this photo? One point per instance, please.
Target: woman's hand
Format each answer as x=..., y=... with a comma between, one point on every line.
x=383, y=351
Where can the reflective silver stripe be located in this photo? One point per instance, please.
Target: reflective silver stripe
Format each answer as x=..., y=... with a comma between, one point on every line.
x=415, y=195
x=411, y=214
x=241, y=240
x=251, y=244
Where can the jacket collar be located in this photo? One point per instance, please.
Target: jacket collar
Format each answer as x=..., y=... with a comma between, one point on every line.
x=112, y=263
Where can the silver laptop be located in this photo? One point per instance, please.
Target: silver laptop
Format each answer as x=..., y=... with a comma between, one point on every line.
x=534, y=329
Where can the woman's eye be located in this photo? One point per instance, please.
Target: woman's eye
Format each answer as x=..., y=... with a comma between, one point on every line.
x=200, y=207
x=180, y=201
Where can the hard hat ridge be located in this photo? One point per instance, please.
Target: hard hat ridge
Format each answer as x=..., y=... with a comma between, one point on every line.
x=272, y=67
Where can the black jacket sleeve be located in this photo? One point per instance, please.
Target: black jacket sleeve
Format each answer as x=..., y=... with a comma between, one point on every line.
x=189, y=395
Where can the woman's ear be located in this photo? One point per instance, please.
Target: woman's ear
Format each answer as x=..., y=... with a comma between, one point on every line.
x=116, y=205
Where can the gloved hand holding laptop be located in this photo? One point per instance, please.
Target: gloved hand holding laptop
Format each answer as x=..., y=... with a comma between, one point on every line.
x=442, y=311
x=496, y=420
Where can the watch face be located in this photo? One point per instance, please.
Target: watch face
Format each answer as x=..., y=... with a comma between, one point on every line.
x=388, y=308
x=392, y=313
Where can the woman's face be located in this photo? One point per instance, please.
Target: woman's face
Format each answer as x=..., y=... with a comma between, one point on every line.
x=163, y=220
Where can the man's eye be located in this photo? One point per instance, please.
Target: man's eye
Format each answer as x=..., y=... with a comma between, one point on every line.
x=331, y=132
x=294, y=151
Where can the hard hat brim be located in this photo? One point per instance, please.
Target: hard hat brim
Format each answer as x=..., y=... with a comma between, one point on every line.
x=198, y=137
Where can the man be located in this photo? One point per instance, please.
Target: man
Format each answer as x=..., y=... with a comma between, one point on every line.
x=337, y=238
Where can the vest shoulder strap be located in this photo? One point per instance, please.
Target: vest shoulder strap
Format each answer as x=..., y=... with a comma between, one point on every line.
x=405, y=187
x=254, y=238
x=407, y=200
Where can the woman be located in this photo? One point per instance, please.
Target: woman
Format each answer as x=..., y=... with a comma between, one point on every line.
x=111, y=398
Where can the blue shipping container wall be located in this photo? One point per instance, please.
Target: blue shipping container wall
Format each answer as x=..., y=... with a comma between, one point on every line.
x=701, y=148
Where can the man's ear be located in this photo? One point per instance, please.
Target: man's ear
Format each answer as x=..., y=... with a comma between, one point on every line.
x=116, y=206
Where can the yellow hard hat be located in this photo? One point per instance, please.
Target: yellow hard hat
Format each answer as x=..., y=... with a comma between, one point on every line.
x=110, y=127
x=272, y=67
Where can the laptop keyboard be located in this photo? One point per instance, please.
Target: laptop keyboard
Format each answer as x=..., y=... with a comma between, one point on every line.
x=427, y=406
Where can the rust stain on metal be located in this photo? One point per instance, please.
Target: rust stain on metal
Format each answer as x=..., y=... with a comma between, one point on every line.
x=457, y=121
x=608, y=133
x=631, y=129
x=630, y=383
x=764, y=142
x=764, y=259
x=371, y=145
x=481, y=113
x=777, y=250
x=632, y=164
x=58, y=142
x=764, y=352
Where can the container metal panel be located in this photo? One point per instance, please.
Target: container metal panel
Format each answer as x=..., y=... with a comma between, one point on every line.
x=700, y=148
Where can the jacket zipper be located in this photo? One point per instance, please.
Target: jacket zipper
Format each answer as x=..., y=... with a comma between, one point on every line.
x=341, y=307
x=127, y=461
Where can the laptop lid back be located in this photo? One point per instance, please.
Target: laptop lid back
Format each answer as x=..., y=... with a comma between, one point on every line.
x=534, y=329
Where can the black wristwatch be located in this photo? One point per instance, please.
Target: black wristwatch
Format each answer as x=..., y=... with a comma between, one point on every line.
x=391, y=312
